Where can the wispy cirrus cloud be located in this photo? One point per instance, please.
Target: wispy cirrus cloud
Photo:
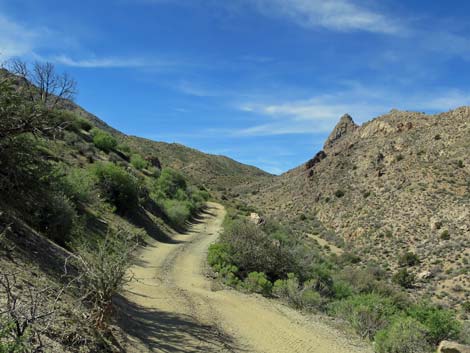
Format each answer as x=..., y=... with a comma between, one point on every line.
x=320, y=114
x=17, y=39
x=339, y=15
x=110, y=62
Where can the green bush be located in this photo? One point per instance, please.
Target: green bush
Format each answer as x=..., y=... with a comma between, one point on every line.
x=118, y=186
x=311, y=299
x=339, y=193
x=218, y=256
x=138, y=162
x=342, y=290
x=257, y=282
x=408, y=259
x=82, y=124
x=321, y=279
x=404, y=335
x=178, y=212
x=170, y=182
x=123, y=148
x=103, y=140
x=445, y=235
x=289, y=290
x=440, y=323
x=404, y=278
x=255, y=251
x=79, y=184
x=57, y=218
x=367, y=313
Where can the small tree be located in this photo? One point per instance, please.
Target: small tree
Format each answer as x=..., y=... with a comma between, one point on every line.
x=42, y=84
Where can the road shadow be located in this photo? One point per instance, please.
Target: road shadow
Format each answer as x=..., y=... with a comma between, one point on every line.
x=168, y=332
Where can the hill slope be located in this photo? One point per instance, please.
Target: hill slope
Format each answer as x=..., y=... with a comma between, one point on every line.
x=214, y=171
x=398, y=183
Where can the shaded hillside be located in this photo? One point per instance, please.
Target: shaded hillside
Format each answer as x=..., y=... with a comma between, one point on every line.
x=398, y=183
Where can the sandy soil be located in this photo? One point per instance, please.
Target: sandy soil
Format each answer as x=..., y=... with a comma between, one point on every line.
x=171, y=306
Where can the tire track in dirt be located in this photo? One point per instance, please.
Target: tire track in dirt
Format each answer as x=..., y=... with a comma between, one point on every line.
x=171, y=307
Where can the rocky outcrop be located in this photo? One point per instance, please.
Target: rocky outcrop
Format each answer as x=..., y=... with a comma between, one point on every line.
x=452, y=347
x=345, y=126
x=315, y=160
x=154, y=162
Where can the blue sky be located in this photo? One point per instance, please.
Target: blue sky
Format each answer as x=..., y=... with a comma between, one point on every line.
x=261, y=81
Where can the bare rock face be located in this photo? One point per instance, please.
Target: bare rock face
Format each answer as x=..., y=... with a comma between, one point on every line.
x=452, y=347
x=345, y=126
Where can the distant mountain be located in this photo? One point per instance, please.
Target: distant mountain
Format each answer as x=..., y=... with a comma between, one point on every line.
x=398, y=183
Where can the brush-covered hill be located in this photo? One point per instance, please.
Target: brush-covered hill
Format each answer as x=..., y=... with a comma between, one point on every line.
x=216, y=172
x=399, y=183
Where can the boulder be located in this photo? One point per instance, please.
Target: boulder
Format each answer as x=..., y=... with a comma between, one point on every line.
x=453, y=347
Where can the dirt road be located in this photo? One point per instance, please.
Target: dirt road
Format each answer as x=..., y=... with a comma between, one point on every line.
x=171, y=306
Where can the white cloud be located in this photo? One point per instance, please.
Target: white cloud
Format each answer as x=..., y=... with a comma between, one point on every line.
x=109, y=62
x=16, y=39
x=320, y=114
x=340, y=15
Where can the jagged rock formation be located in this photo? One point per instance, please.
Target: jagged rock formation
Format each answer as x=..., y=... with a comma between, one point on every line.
x=345, y=126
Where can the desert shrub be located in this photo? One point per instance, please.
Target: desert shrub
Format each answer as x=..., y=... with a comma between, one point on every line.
x=289, y=290
x=321, y=279
x=178, y=212
x=408, y=259
x=123, y=148
x=56, y=218
x=310, y=298
x=79, y=184
x=361, y=280
x=255, y=251
x=219, y=256
x=445, y=235
x=342, y=290
x=118, y=186
x=404, y=335
x=404, y=278
x=339, y=193
x=103, y=140
x=103, y=266
x=466, y=306
x=257, y=282
x=169, y=182
x=367, y=313
x=81, y=124
x=138, y=162
x=440, y=323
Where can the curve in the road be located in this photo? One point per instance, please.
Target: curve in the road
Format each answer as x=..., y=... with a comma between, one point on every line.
x=171, y=306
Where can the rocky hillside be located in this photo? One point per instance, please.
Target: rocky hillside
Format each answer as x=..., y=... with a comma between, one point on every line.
x=399, y=183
